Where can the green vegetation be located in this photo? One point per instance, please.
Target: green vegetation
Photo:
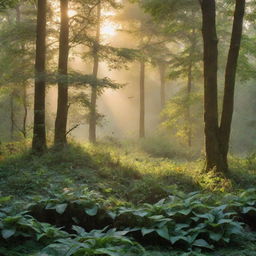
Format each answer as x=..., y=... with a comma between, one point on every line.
x=109, y=200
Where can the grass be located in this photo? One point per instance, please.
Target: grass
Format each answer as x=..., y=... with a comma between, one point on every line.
x=114, y=171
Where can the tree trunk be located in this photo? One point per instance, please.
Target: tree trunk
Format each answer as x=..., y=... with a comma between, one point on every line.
x=230, y=76
x=39, y=133
x=12, y=115
x=142, y=100
x=217, y=138
x=60, y=137
x=189, y=88
x=25, y=107
x=212, y=148
x=18, y=15
x=162, y=70
x=93, y=107
x=24, y=89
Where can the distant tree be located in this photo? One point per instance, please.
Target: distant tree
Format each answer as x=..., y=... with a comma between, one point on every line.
x=186, y=63
x=149, y=44
x=181, y=26
x=95, y=54
x=16, y=57
x=62, y=106
x=39, y=132
x=89, y=20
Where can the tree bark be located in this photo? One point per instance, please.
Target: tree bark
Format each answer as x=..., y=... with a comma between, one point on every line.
x=212, y=147
x=25, y=107
x=193, y=40
x=230, y=76
x=24, y=89
x=39, y=133
x=62, y=106
x=93, y=107
x=12, y=114
x=162, y=70
x=189, y=88
x=217, y=138
x=142, y=100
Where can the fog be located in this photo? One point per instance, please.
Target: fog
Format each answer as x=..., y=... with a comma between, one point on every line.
x=129, y=27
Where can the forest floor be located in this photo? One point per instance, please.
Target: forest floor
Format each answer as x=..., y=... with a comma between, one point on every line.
x=114, y=175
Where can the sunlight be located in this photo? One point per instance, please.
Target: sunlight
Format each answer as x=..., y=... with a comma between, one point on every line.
x=71, y=13
x=108, y=13
x=109, y=28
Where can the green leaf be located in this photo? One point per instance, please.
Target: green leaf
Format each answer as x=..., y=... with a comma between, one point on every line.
x=215, y=236
x=157, y=217
x=39, y=236
x=174, y=239
x=78, y=229
x=7, y=233
x=202, y=243
x=248, y=209
x=12, y=219
x=226, y=239
x=164, y=233
x=60, y=208
x=5, y=199
x=179, y=227
x=224, y=221
x=185, y=212
x=92, y=211
x=207, y=216
x=111, y=214
x=140, y=213
x=146, y=231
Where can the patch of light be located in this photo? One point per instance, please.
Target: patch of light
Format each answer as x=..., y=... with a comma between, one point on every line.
x=110, y=28
x=71, y=13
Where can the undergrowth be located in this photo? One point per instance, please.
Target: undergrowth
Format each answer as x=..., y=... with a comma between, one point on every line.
x=110, y=200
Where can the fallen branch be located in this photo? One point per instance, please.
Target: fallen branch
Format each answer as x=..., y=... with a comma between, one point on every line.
x=73, y=128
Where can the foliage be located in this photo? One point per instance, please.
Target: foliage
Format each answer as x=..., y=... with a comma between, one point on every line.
x=175, y=117
x=188, y=221
x=4, y=4
x=164, y=146
x=108, y=221
x=111, y=242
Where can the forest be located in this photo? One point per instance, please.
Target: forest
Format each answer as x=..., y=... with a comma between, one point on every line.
x=127, y=128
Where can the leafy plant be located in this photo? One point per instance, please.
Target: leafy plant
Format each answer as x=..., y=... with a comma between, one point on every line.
x=111, y=242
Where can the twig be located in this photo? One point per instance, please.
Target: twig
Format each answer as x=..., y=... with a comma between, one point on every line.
x=73, y=128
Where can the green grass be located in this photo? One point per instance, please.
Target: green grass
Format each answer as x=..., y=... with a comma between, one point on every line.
x=128, y=175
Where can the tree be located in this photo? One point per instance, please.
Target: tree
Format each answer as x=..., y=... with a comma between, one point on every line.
x=17, y=60
x=180, y=24
x=148, y=42
x=39, y=133
x=62, y=107
x=142, y=100
x=95, y=53
x=89, y=20
x=217, y=136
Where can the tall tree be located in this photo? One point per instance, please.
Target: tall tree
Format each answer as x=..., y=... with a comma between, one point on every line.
x=93, y=107
x=62, y=107
x=162, y=72
x=142, y=100
x=217, y=137
x=39, y=133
